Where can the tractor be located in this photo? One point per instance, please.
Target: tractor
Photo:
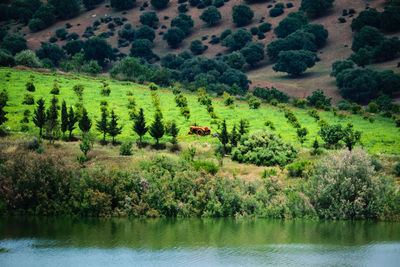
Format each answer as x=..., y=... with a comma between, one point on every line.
x=200, y=131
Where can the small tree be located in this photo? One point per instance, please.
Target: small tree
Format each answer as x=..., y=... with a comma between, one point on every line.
x=172, y=130
x=102, y=125
x=294, y=62
x=72, y=120
x=242, y=15
x=39, y=116
x=244, y=126
x=149, y=18
x=157, y=128
x=223, y=136
x=139, y=126
x=315, y=8
x=174, y=37
x=234, y=137
x=122, y=4
x=301, y=134
x=253, y=53
x=351, y=137
x=211, y=16
x=64, y=117
x=158, y=4
x=85, y=123
x=331, y=134
x=196, y=47
x=52, y=119
x=3, y=103
x=113, y=128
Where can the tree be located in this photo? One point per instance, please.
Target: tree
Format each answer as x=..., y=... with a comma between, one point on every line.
x=39, y=116
x=27, y=58
x=6, y=59
x=122, y=4
x=64, y=117
x=287, y=26
x=65, y=9
x=174, y=37
x=85, y=123
x=183, y=22
x=318, y=99
x=171, y=61
x=320, y=33
x=52, y=119
x=43, y=17
x=316, y=8
x=369, y=17
x=113, y=128
x=129, y=68
x=351, y=137
x=237, y=40
x=211, y=16
x=139, y=126
x=196, y=46
x=390, y=18
x=3, y=103
x=331, y=134
x=235, y=60
x=253, y=53
x=172, y=130
x=149, y=18
x=127, y=32
x=223, y=135
x=367, y=36
x=159, y=4
x=234, y=137
x=362, y=57
x=294, y=62
x=90, y=4
x=301, y=134
x=142, y=48
x=388, y=49
x=339, y=66
x=102, y=125
x=98, y=49
x=242, y=15
x=73, y=47
x=157, y=127
x=389, y=82
x=51, y=51
x=14, y=43
x=145, y=32
x=72, y=120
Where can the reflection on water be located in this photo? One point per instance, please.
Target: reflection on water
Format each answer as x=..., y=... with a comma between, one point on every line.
x=196, y=242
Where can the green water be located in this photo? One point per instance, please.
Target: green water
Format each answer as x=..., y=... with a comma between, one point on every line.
x=196, y=242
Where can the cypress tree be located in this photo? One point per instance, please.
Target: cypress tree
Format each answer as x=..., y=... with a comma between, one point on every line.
x=139, y=126
x=39, y=116
x=84, y=123
x=102, y=125
x=113, y=128
x=243, y=126
x=64, y=118
x=234, y=136
x=223, y=136
x=173, y=132
x=3, y=103
x=157, y=128
x=52, y=119
x=72, y=120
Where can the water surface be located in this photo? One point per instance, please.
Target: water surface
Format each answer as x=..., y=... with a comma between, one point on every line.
x=196, y=242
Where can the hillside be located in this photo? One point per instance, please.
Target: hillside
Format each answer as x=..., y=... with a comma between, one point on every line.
x=337, y=46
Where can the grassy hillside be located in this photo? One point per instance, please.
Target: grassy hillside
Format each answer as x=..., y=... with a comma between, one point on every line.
x=379, y=136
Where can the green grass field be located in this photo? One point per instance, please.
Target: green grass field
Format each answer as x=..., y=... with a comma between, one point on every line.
x=380, y=136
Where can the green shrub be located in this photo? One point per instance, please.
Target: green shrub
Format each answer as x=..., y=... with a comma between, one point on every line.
x=299, y=168
x=125, y=149
x=30, y=87
x=28, y=99
x=263, y=149
x=208, y=166
x=6, y=59
x=396, y=169
x=27, y=58
x=345, y=186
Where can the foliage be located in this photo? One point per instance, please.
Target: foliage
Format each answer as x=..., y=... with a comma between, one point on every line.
x=339, y=66
x=127, y=32
x=299, y=168
x=98, y=49
x=254, y=102
x=157, y=128
x=129, y=69
x=211, y=16
x=122, y=4
x=265, y=149
x=235, y=60
x=253, y=53
x=90, y=4
x=39, y=117
x=159, y=4
x=237, y=40
x=14, y=43
x=269, y=94
x=320, y=33
x=264, y=27
x=316, y=8
x=6, y=59
x=196, y=46
x=50, y=51
x=289, y=25
x=139, y=126
x=367, y=36
x=318, y=99
x=208, y=166
x=242, y=15
x=73, y=47
x=369, y=17
x=65, y=9
x=301, y=134
x=145, y=32
x=149, y=18
x=396, y=169
x=183, y=22
x=103, y=124
x=27, y=58
x=294, y=62
x=174, y=37
x=142, y=48
x=125, y=149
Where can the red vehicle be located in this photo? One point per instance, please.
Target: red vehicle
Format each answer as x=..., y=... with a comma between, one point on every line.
x=201, y=131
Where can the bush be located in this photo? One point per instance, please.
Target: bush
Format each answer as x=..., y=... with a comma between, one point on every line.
x=27, y=58
x=51, y=51
x=316, y=8
x=276, y=12
x=142, y=48
x=237, y=40
x=6, y=59
x=122, y=4
x=174, y=37
x=270, y=94
x=331, y=134
x=242, y=15
x=28, y=99
x=299, y=168
x=125, y=149
x=92, y=67
x=367, y=37
x=159, y=3
x=319, y=100
x=339, y=66
x=211, y=16
x=61, y=33
x=30, y=87
x=294, y=62
x=149, y=18
x=183, y=22
x=207, y=166
x=14, y=43
x=263, y=149
x=145, y=32
x=345, y=186
x=265, y=27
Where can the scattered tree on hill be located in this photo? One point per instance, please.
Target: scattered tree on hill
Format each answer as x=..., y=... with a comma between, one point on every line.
x=390, y=18
x=72, y=120
x=139, y=126
x=183, y=22
x=142, y=48
x=294, y=62
x=127, y=32
x=301, y=134
x=242, y=15
x=51, y=51
x=339, y=66
x=369, y=17
x=235, y=60
x=316, y=8
x=145, y=32
x=211, y=16
x=122, y=4
x=159, y=3
x=196, y=46
x=113, y=128
x=27, y=58
x=368, y=36
x=244, y=126
x=253, y=53
x=52, y=123
x=237, y=40
x=234, y=137
x=85, y=123
x=73, y=47
x=65, y=9
x=149, y=18
x=351, y=137
x=174, y=37
x=3, y=103
x=14, y=43
x=90, y=4
x=39, y=116
x=102, y=125
x=320, y=33
x=172, y=130
x=287, y=26
x=157, y=128
x=64, y=117
x=98, y=49
x=318, y=99
x=43, y=17
x=362, y=57
x=331, y=134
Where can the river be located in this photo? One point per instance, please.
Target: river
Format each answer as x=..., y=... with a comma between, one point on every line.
x=38, y=241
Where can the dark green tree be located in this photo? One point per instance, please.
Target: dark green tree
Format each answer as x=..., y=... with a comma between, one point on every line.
x=172, y=130
x=362, y=57
x=320, y=33
x=287, y=26
x=14, y=43
x=244, y=126
x=234, y=137
x=3, y=103
x=316, y=8
x=183, y=22
x=127, y=32
x=72, y=120
x=339, y=66
x=196, y=46
x=369, y=17
x=139, y=126
x=367, y=37
x=301, y=134
x=73, y=47
x=237, y=40
x=223, y=135
x=50, y=51
x=85, y=123
x=149, y=18
x=242, y=15
x=253, y=53
x=39, y=116
x=145, y=32
x=52, y=122
x=113, y=128
x=157, y=128
x=331, y=134
x=65, y=9
x=64, y=117
x=211, y=16
x=294, y=62
x=159, y=4
x=174, y=37
x=90, y=4
x=98, y=49
x=235, y=60
x=142, y=48
x=102, y=125
x=122, y=4
x=351, y=137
